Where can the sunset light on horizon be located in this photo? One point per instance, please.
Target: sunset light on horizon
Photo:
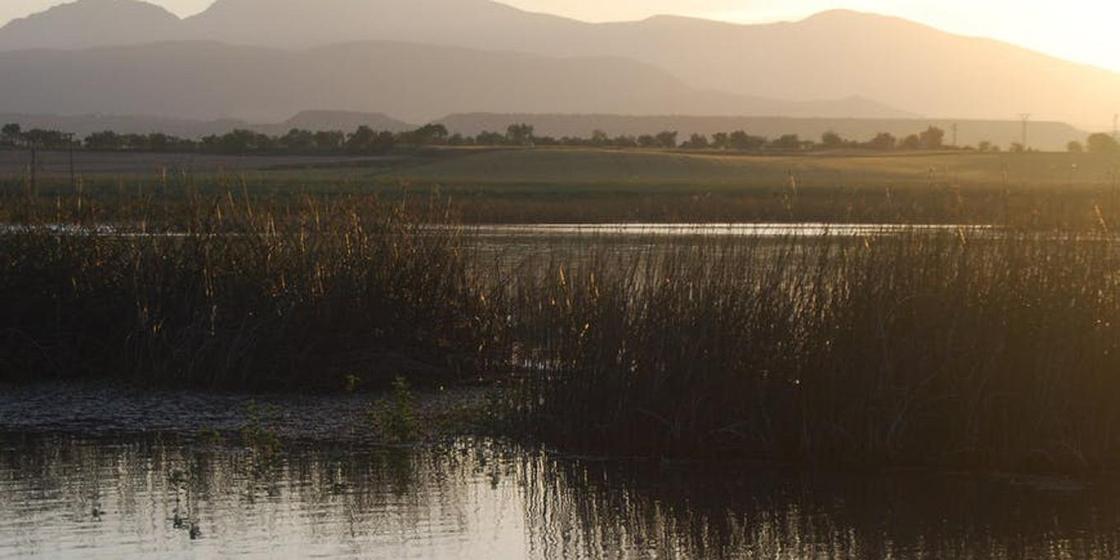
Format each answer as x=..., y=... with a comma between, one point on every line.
x=1078, y=30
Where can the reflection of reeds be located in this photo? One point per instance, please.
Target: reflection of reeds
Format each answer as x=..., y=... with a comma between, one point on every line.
x=962, y=350
x=580, y=509
x=468, y=497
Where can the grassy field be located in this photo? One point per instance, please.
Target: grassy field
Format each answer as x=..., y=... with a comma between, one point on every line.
x=580, y=169
x=577, y=185
x=1046, y=190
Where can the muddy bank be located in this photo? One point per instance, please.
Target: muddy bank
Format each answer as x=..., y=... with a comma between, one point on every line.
x=111, y=409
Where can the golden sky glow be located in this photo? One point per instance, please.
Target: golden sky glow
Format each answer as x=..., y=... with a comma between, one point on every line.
x=1085, y=31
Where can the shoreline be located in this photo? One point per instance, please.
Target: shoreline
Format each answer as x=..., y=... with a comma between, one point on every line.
x=108, y=409
x=96, y=409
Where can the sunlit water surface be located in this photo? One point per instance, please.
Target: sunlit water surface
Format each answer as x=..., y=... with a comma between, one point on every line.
x=71, y=497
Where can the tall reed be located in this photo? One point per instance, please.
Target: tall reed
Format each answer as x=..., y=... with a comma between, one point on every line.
x=980, y=348
x=974, y=350
x=229, y=292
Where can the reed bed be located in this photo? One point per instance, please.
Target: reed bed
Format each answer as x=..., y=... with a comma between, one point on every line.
x=227, y=292
x=978, y=348
x=970, y=350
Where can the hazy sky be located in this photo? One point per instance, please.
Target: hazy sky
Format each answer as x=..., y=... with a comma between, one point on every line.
x=1082, y=30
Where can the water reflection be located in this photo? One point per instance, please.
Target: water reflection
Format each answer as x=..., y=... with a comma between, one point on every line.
x=681, y=513
x=763, y=230
x=332, y=502
x=66, y=497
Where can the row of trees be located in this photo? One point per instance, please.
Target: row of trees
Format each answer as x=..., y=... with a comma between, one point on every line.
x=296, y=141
x=1097, y=143
x=365, y=140
x=12, y=135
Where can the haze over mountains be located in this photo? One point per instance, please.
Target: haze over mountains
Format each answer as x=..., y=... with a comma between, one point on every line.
x=91, y=23
x=199, y=79
x=420, y=59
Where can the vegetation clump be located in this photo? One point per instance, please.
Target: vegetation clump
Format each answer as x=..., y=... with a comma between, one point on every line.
x=230, y=292
x=975, y=350
x=395, y=417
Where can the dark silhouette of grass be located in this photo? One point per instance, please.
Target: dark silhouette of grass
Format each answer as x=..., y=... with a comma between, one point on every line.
x=967, y=350
x=983, y=348
x=231, y=292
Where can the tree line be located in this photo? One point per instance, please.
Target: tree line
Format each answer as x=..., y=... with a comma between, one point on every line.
x=1097, y=143
x=366, y=141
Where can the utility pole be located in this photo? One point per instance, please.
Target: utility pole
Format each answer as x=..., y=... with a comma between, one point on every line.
x=73, y=176
x=1026, y=117
x=32, y=186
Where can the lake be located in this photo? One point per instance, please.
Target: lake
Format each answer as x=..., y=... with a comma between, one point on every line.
x=64, y=496
x=78, y=490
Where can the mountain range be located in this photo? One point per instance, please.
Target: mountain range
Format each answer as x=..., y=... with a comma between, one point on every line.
x=348, y=54
x=205, y=79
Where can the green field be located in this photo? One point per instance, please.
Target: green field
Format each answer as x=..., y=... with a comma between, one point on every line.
x=584, y=185
x=596, y=185
x=584, y=168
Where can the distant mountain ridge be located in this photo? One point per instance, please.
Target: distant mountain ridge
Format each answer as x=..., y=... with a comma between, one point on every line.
x=92, y=23
x=837, y=55
x=209, y=80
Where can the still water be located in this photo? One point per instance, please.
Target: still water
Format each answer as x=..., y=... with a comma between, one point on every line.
x=77, y=497
x=751, y=230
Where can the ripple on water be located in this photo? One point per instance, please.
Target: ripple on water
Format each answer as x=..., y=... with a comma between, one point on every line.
x=86, y=497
